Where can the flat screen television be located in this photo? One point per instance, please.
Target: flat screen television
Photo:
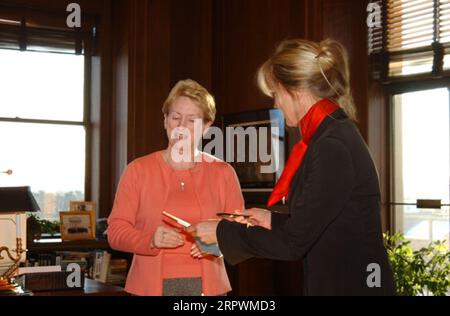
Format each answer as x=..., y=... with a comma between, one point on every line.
x=252, y=138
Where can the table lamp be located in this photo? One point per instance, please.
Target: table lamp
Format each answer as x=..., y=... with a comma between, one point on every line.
x=14, y=201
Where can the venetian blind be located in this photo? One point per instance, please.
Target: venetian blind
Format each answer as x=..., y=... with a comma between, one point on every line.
x=413, y=38
x=26, y=30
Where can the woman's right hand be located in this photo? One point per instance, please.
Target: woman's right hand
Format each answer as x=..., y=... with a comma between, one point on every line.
x=258, y=217
x=167, y=238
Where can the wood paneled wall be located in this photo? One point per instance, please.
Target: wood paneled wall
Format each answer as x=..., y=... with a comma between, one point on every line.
x=159, y=43
x=345, y=21
x=221, y=44
x=245, y=35
x=148, y=45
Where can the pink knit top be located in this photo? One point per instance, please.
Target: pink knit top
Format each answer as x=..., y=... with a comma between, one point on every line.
x=148, y=187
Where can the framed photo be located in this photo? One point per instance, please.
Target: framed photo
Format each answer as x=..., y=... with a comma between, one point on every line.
x=85, y=206
x=77, y=225
x=82, y=206
x=268, y=122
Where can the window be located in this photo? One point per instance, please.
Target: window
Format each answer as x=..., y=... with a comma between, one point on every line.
x=44, y=121
x=410, y=57
x=42, y=126
x=421, y=164
x=414, y=39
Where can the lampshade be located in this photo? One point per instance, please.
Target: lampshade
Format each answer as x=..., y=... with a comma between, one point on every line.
x=17, y=199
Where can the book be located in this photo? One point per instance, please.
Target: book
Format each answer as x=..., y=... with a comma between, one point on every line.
x=103, y=277
x=43, y=269
x=117, y=273
x=97, y=265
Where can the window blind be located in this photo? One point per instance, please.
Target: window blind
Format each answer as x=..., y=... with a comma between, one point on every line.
x=414, y=38
x=26, y=30
x=410, y=24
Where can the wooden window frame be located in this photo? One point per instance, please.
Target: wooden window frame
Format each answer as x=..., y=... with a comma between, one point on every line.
x=84, y=44
x=390, y=91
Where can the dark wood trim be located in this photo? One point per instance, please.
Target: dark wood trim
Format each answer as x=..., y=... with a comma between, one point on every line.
x=390, y=170
x=106, y=157
x=120, y=98
x=378, y=140
x=91, y=288
x=100, y=113
x=417, y=84
x=87, y=121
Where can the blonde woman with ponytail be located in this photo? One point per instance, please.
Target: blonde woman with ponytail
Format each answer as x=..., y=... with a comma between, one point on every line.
x=330, y=183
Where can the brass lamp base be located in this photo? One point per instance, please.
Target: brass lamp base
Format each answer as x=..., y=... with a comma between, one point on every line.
x=5, y=278
x=6, y=285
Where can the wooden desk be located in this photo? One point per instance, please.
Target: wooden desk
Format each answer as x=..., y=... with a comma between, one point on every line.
x=91, y=288
x=58, y=245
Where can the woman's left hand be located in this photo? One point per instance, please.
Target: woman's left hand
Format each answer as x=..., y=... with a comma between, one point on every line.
x=205, y=231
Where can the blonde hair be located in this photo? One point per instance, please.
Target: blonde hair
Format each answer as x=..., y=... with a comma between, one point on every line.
x=322, y=68
x=197, y=93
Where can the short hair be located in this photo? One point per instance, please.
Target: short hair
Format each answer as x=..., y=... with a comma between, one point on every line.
x=197, y=93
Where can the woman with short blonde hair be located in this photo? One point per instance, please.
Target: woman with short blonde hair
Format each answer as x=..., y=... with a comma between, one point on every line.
x=167, y=261
x=197, y=93
x=329, y=182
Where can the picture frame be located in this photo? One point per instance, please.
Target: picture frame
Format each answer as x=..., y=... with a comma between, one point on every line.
x=77, y=225
x=85, y=206
x=82, y=206
x=248, y=172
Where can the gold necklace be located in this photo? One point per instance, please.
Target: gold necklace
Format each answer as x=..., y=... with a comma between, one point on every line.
x=182, y=183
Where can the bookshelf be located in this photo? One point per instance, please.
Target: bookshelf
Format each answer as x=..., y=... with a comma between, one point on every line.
x=100, y=261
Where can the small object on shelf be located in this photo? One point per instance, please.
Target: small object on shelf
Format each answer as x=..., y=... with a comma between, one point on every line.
x=85, y=206
x=77, y=225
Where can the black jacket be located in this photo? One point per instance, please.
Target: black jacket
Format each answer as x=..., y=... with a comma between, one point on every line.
x=334, y=223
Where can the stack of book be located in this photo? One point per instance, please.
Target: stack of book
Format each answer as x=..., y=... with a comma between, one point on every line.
x=117, y=273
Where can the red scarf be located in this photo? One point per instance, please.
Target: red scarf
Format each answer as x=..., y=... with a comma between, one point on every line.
x=308, y=126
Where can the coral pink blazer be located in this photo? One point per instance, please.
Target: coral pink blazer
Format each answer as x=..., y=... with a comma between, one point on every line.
x=140, y=199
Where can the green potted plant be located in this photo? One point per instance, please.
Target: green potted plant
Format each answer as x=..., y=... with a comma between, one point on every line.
x=419, y=272
x=37, y=227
